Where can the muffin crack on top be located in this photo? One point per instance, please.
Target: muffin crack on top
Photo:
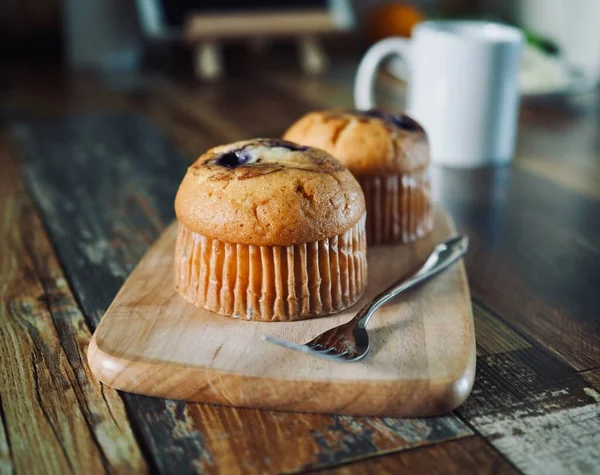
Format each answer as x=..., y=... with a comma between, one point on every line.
x=270, y=230
x=339, y=129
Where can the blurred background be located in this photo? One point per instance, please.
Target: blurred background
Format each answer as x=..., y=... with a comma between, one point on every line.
x=216, y=38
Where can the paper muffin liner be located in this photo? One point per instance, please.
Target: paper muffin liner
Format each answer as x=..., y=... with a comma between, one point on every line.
x=398, y=207
x=272, y=283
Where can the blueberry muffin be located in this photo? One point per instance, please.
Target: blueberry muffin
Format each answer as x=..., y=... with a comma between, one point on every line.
x=270, y=231
x=389, y=156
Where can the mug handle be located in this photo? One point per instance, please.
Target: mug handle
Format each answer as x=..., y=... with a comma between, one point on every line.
x=364, y=97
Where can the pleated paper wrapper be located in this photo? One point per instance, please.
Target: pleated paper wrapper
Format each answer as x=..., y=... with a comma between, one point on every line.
x=398, y=207
x=272, y=283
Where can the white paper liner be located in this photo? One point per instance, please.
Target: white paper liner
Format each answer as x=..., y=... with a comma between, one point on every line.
x=272, y=283
x=398, y=207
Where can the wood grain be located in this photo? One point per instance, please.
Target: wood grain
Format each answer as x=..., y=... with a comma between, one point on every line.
x=468, y=455
x=532, y=407
x=112, y=194
x=181, y=122
x=593, y=376
x=6, y=464
x=516, y=249
x=228, y=107
x=581, y=180
x=55, y=417
x=258, y=441
x=536, y=410
x=522, y=294
x=493, y=335
x=105, y=245
x=152, y=342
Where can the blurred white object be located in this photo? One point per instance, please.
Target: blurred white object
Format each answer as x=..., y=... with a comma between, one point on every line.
x=574, y=25
x=542, y=73
x=463, y=87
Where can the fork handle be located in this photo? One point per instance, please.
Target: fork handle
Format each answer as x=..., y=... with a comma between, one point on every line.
x=444, y=255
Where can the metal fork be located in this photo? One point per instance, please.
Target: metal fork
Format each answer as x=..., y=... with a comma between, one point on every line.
x=349, y=342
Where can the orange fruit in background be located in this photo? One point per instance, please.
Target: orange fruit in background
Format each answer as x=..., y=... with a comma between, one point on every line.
x=393, y=19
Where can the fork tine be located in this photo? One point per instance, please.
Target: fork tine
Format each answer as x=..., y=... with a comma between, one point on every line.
x=305, y=349
x=330, y=346
x=286, y=344
x=315, y=342
x=319, y=348
x=343, y=357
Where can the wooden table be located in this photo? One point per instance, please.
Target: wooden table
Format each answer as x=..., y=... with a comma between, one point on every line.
x=74, y=221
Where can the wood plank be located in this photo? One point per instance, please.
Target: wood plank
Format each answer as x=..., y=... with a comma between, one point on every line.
x=182, y=126
x=468, y=455
x=536, y=410
x=227, y=107
x=493, y=335
x=254, y=441
x=559, y=142
x=102, y=241
x=564, y=441
x=49, y=91
x=517, y=247
x=184, y=100
x=166, y=429
x=105, y=186
x=6, y=465
x=586, y=182
x=489, y=226
x=335, y=89
x=55, y=417
x=315, y=92
x=593, y=377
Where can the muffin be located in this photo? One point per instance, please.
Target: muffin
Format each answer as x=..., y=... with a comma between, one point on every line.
x=270, y=231
x=389, y=156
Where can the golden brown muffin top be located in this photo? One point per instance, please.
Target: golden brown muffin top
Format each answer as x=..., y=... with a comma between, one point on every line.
x=367, y=142
x=268, y=192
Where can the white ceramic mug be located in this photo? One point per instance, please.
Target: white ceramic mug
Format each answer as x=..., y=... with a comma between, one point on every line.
x=463, y=87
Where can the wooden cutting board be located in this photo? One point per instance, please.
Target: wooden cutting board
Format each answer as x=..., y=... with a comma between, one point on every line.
x=422, y=360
